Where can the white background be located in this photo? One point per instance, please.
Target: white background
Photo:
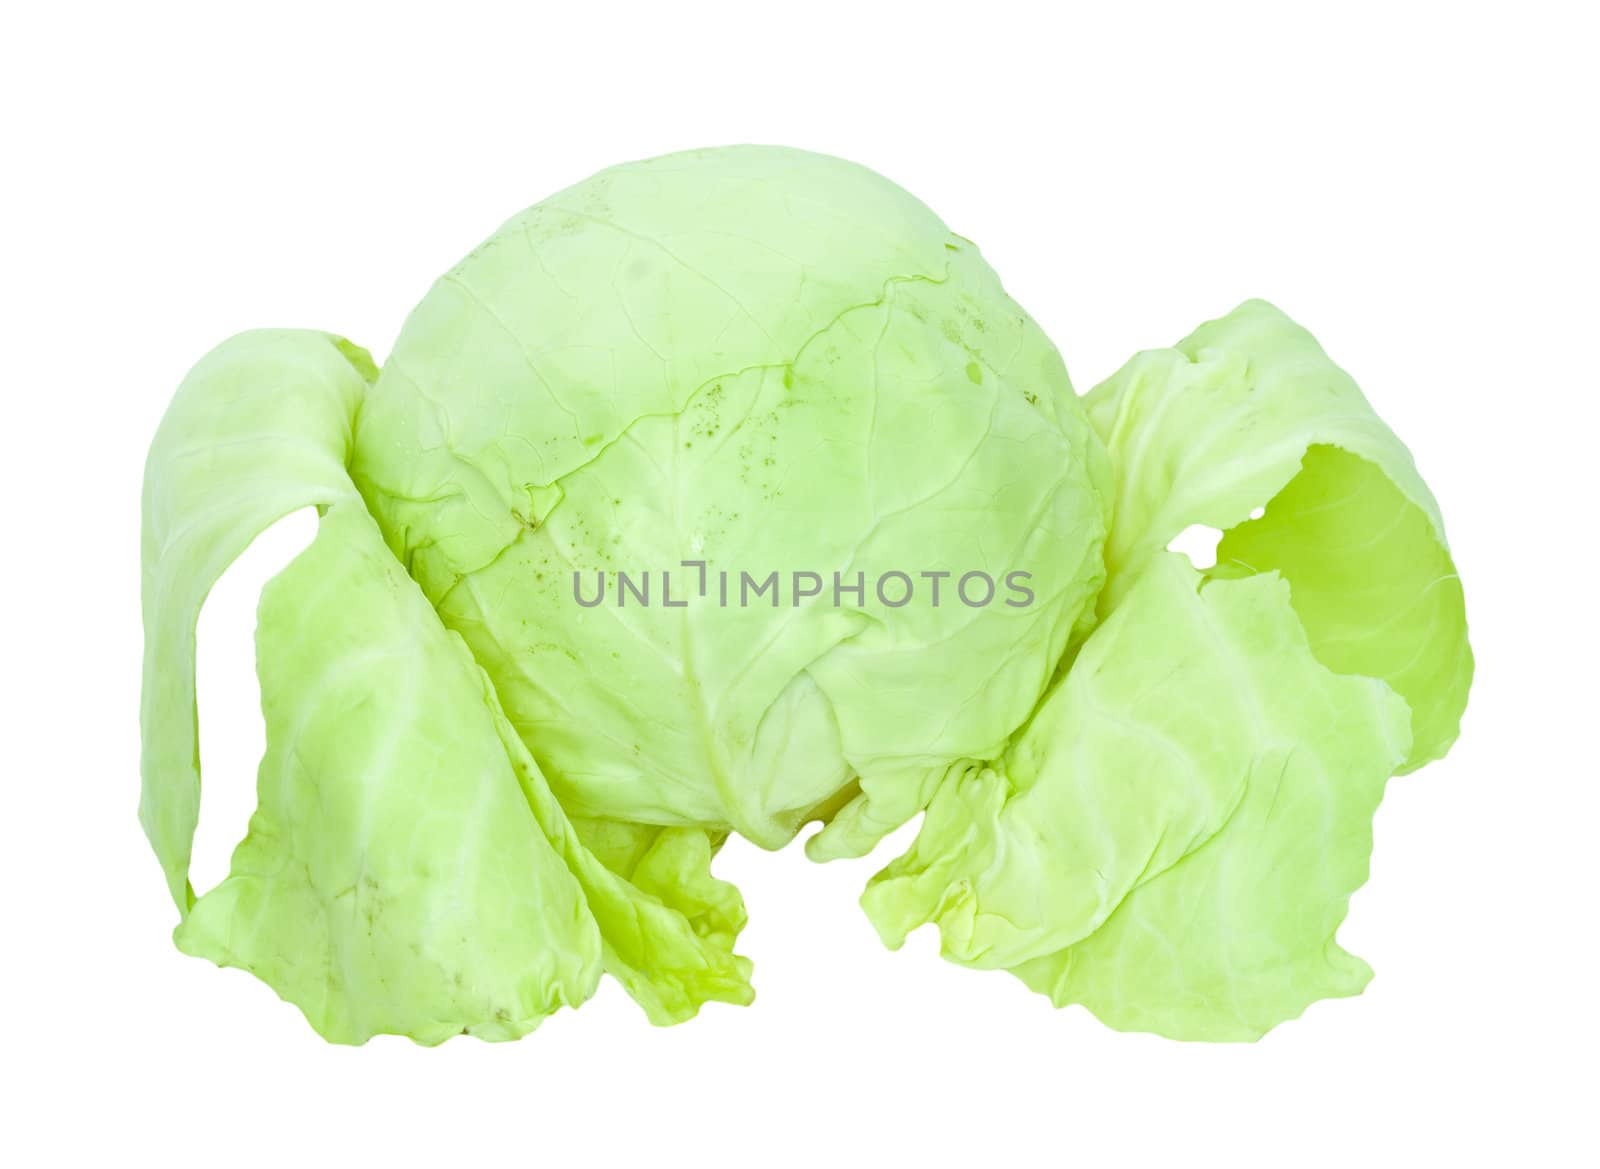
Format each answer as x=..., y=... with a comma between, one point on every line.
x=1414, y=183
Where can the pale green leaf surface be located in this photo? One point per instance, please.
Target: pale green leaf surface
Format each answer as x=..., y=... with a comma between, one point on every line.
x=1173, y=837
x=258, y=429
x=1150, y=791
x=668, y=925
x=1177, y=863
x=407, y=869
x=766, y=360
x=394, y=878
x=1249, y=412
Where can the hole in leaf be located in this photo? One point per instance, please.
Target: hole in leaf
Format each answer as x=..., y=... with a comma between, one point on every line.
x=232, y=735
x=1198, y=543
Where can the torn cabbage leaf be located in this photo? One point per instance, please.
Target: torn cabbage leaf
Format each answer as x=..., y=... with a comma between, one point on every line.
x=1173, y=838
x=1249, y=411
x=407, y=869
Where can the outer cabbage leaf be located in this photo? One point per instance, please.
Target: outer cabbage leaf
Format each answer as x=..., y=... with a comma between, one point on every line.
x=673, y=864
x=394, y=878
x=1249, y=411
x=1173, y=838
x=258, y=429
x=668, y=932
x=407, y=869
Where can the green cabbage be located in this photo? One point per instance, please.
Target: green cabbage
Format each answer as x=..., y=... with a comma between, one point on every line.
x=1146, y=787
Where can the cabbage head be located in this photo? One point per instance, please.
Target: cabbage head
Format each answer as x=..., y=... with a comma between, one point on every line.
x=729, y=491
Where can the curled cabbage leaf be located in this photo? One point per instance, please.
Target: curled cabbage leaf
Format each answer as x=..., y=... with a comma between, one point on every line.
x=407, y=869
x=1173, y=838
